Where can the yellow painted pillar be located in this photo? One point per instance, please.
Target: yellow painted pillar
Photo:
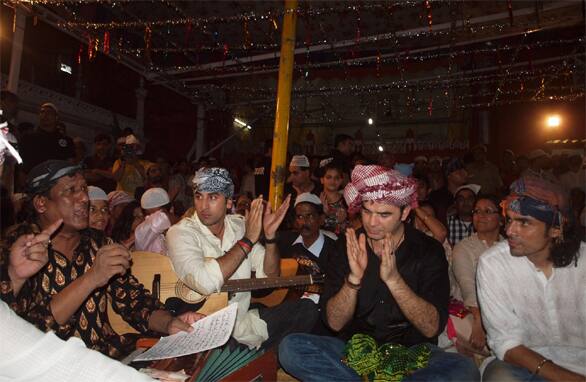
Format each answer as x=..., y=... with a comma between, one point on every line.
x=281, y=131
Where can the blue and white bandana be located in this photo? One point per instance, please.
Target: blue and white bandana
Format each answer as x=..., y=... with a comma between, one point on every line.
x=214, y=180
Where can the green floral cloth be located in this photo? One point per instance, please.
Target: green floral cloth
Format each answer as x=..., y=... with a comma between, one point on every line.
x=388, y=362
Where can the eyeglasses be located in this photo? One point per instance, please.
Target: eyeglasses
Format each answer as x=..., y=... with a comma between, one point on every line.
x=478, y=211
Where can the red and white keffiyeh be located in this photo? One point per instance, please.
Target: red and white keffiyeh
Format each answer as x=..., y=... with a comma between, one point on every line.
x=379, y=184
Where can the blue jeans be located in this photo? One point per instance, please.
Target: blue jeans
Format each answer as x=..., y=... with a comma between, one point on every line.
x=497, y=371
x=316, y=358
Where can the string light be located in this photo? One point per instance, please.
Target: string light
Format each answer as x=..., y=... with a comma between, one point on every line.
x=252, y=16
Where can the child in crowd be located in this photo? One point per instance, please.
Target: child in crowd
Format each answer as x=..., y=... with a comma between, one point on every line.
x=335, y=208
x=99, y=209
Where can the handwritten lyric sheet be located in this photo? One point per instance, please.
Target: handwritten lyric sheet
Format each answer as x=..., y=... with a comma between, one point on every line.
x=209, y=332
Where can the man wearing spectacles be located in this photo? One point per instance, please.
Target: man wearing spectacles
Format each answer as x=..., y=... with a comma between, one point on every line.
x=460, y=224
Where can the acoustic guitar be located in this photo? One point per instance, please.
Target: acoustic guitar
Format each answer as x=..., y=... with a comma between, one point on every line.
x=156, y=273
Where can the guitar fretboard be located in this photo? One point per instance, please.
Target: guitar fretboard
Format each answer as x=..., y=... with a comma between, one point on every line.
x=269, y=282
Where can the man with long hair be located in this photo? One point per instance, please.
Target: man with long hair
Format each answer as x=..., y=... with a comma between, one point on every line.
x=532, y=290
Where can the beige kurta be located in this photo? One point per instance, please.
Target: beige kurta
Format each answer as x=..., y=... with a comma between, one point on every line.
x=464, y=262
x=193, y=250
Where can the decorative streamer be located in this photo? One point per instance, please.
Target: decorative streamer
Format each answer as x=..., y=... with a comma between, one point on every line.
x=106, y=42
x=247, y=44
x=188, y=30
x=119, y=50
x=90, y=50
x=510, y=8
x=96, y=47
x=79, y=53
x=225, y=54
x=148, y=33
x=357, y=38
x=430, y=106
x=429, y=14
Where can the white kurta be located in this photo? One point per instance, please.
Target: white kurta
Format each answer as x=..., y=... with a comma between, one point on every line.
x=193, y=250
x=520, y=306
x=27, y=354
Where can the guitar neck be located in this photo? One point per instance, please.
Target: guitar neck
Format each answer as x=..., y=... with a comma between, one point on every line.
x=266, y=283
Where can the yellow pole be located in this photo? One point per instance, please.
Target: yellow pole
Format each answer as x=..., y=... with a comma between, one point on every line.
x=281, y=131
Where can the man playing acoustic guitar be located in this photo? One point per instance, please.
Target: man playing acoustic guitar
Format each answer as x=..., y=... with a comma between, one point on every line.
x=211, y=247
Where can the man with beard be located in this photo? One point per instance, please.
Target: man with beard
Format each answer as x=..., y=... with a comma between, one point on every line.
x=61, y=282
x=532, y=289
x=390, y=283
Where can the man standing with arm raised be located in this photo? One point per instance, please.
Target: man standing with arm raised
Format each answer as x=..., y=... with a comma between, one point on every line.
x=390, y=283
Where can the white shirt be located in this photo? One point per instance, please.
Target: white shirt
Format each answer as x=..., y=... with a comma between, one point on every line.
x=193, y=250
x=314, y=248
x=520, y=306
x=150, y=234
x=27, y=354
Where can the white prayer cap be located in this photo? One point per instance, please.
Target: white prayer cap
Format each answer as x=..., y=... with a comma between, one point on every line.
x=307, y=197
x=50, y=105
x=96, y=193
x=299, y=161
x=536, y=154
x=131, y=140
x=475, y=188
x=153, y=198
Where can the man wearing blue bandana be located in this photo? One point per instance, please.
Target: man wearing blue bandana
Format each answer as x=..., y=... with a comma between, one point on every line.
x=211, y=247
x=532, y=290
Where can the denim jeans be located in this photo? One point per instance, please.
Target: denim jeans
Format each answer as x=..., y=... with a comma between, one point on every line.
x=497, y=371
x=316, y=358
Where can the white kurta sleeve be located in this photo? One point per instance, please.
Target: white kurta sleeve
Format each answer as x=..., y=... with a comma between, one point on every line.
x=27, y=354
x=503, y=327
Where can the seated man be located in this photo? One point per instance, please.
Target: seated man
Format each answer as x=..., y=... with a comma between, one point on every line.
x=60, y=280
x=460, y=223
x=150, y=234
x=532, y=290
x=308, y=244
x=210, y=247
x=391, y=283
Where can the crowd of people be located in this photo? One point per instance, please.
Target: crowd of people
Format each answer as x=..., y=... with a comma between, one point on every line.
x=476, y=269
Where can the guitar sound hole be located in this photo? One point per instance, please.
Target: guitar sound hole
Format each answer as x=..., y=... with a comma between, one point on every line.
x=176, y=306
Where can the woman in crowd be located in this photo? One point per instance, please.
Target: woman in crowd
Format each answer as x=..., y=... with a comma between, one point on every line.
x=334, y=206
x=487, y=220
x=99, y=209
x=117, y=201
x=123, y=231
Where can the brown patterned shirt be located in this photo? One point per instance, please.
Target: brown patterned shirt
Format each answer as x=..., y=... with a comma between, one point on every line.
x=90, y=322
